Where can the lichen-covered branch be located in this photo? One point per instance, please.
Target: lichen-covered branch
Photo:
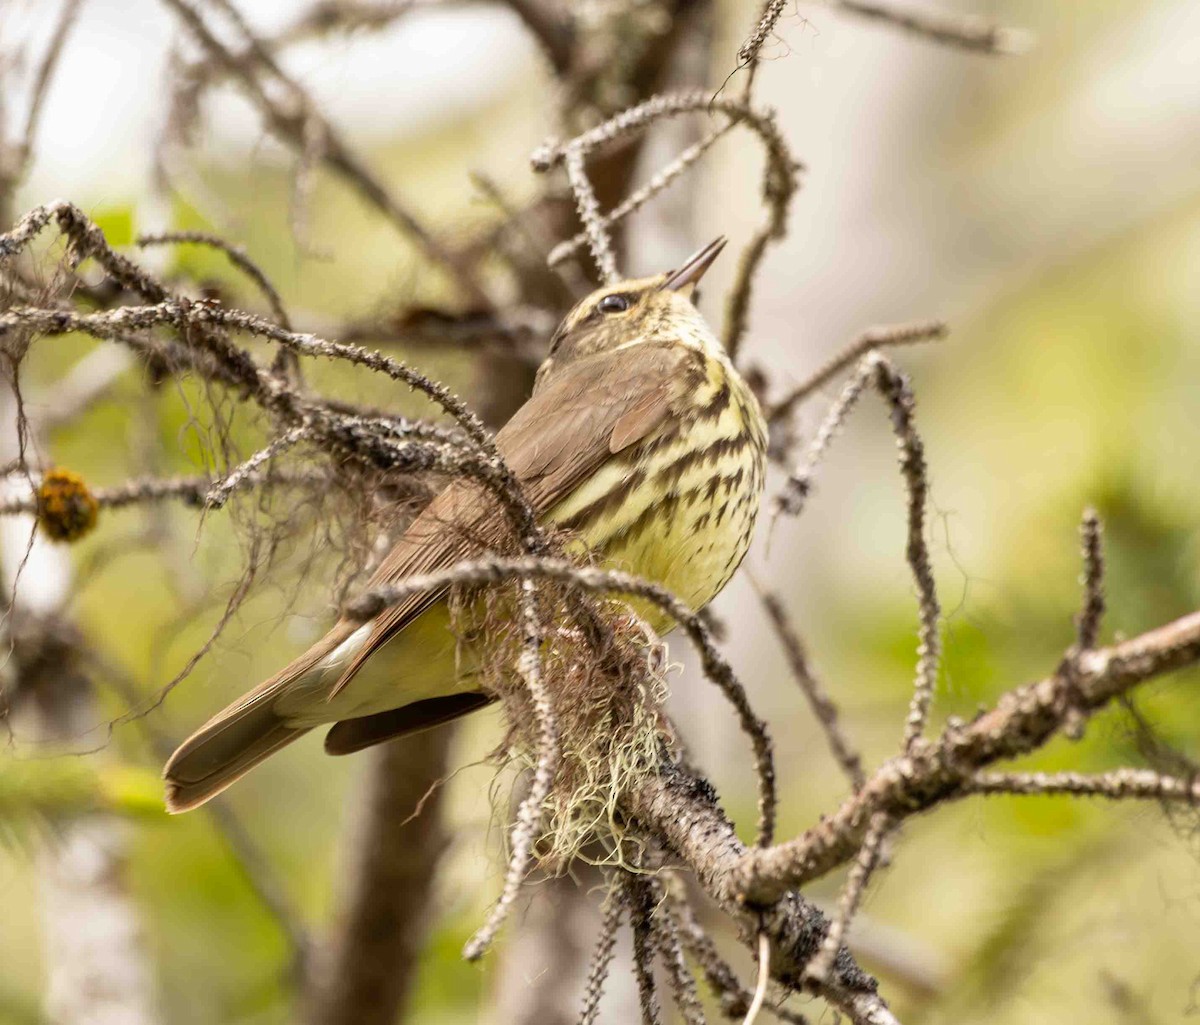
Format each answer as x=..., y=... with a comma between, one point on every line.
x=1023, y=720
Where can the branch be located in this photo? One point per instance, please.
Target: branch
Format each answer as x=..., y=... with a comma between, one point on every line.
x=873, y=338
x=681, y=812
x=964, y=33
x=1023, y=720
x=300, y=124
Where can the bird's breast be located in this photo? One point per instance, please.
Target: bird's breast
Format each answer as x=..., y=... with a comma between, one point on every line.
x=679, y=508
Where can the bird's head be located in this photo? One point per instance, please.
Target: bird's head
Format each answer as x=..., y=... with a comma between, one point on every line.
x=632, y=312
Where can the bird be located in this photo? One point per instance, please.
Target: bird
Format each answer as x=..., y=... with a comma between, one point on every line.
x=640, y=440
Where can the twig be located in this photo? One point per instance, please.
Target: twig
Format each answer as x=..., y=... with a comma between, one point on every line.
x=796, y=490
x=860, y=875
x=588, y=207
x=871, y=339
x=529, y=815
x=640, y=911
x=965, y=33
x=336, y=431
x=219, y=493
x=606, y=941
x=895, y=389
x=779, y=177
x=735, y=998
x=661, y=180
x=819, y=700
x=237, y=256
x=1119, y=784
x=1090, y=616
x=771, y=13
x=683, y=984
x=190, y=490
x=682, y=814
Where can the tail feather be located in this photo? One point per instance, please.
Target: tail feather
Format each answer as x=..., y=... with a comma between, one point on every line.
x=223, y=750
x=351, y=735
x=237, y=738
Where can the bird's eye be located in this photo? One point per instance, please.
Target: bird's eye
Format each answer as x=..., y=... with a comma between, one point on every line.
x=613, y=304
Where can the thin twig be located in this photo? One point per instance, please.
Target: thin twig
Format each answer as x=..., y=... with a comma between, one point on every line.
x=856, y=882
x=819, y=701
x=606, y=941
x=1023, y=720
x=237, y=256
x=796, y=490
x=718, y=973
x=965, y=33
x=219, y=493
x=661, y=180
x=895, y=389
x=1090, y=616
x=588, y=208
x=764, y=978
x=871, y=339
x=1120, y=784
x=683, y=983
x=529, y=815
x=641, y=909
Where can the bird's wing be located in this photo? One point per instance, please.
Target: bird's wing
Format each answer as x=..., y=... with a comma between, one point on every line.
x=581, y=416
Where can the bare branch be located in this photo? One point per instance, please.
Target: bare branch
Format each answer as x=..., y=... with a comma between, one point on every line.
x=298, y=122
x=641, y=910
x=606, y=941
x=492, y=570
x=860, y=875
x=965, y=33
x=1023, y=720
x=237, y=256
x=661, y=180
x=529, y=816
x=870, y=340
x=1120, y=784
x=1088, y=623
x=818, y=699
x=895, y=389
x=595, y=227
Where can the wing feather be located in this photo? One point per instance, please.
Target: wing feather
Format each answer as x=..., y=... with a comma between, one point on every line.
x=575, y=420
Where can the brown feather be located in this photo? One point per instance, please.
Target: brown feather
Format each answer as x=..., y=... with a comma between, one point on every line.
x=562, y=435
x=351, y=735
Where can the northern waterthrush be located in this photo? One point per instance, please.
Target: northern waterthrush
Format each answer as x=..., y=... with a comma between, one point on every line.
x=640, y=439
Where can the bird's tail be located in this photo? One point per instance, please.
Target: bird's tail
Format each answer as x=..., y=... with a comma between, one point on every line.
x=225, y=748
x=255, y=726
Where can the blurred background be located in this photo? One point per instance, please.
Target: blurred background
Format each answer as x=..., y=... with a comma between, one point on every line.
x=1047, y=205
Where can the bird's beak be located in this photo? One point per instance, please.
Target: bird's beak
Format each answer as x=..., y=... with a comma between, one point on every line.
x=684, y=279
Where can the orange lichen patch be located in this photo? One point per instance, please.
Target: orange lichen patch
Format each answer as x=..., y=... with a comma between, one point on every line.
x=67, y=509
